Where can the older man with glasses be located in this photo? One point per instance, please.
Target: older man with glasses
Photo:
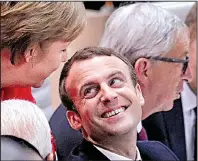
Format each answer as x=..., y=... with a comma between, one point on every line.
x=177, y=128
x=157, y=44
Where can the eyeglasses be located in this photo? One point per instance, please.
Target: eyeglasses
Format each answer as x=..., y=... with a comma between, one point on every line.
x=172, y=60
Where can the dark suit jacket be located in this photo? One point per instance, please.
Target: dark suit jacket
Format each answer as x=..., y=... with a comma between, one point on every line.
x=66, y=138
x=168, y=128
x=149, y=150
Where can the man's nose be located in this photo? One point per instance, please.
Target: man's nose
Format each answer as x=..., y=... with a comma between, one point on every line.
x=108, y=94
x=188, y=74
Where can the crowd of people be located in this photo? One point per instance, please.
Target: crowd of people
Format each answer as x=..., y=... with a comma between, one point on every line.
x=132, y=97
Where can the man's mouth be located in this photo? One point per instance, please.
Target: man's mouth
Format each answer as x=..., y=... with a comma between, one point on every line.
x=114, y=112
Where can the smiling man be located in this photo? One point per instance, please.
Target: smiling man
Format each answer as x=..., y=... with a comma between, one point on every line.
x=99, y=87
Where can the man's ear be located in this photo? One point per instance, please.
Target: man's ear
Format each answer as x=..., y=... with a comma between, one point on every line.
x=142, y=66
x=139, y=94
x=74, y=120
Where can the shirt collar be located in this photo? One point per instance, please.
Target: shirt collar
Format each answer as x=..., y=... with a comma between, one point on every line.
x=189, y=101
x=113, y=156
x=139, y=127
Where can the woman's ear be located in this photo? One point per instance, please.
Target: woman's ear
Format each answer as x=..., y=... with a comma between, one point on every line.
x=31, y=52
x=139, y=94
x=74, y=120
x=29, y=55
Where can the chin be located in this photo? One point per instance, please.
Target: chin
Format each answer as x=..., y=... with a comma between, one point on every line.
x=38, y=85
x=168, y=107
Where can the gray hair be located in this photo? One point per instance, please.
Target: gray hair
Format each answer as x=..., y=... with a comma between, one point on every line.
x=141, y=30
x=26, y=120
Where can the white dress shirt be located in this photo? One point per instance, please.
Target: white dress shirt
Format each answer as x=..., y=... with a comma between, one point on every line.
x=139, y=127
x=113, y=156
x=189, y=102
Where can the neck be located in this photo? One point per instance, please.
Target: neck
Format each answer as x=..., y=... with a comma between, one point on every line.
x=9, y=76
x=147, y=108
x=150, y=105
x=147, y=111
x=124, y=145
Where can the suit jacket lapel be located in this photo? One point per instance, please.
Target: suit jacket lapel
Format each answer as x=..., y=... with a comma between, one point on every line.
x=92, y=152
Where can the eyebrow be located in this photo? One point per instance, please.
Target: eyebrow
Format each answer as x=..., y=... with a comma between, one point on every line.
x=88, y=83
x=117, y=72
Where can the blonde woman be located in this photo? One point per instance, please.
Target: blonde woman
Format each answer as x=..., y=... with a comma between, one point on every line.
x=34, y=40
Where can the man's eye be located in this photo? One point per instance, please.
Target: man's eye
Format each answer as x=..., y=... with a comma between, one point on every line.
x=116, y=82
x=90, y=92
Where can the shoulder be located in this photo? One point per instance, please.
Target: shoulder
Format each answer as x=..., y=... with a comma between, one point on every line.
x=154, y=150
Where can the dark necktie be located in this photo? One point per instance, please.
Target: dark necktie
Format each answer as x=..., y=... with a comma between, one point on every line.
x=142, y=135
x=195, y=141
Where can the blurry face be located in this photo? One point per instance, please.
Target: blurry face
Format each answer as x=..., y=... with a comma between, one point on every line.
x=192, y=63
x=102, y=90
x=46, y=61
x=166, y=82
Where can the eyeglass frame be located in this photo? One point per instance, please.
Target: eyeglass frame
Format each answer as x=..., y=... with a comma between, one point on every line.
x=172, y=60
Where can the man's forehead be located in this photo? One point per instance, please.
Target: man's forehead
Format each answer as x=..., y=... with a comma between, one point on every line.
x=97, y=61
x=95, y=66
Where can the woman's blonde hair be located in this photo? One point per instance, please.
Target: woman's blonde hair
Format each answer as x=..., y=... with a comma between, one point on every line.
x=26, y=23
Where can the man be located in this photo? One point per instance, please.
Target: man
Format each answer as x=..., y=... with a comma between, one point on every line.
x=157, y=44
x=176, y=128
x=26, y=121
x=106, y=106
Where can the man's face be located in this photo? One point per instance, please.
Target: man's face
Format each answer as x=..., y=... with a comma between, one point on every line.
x=103, y=93
x=166, y=80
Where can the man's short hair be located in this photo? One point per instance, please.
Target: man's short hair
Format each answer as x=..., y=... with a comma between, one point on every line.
x=142, y=30
x=191, y=21
x=27, y=23
x=85, y=54
x=27, y=121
